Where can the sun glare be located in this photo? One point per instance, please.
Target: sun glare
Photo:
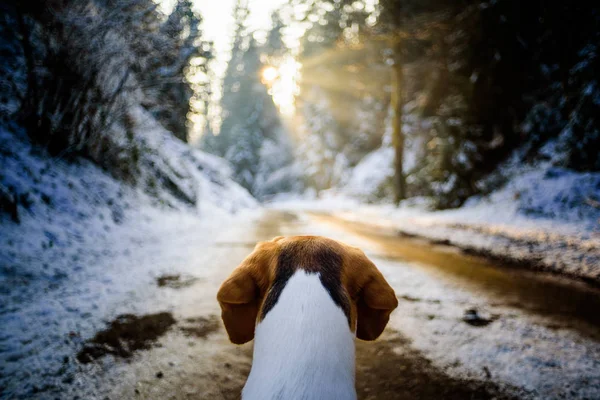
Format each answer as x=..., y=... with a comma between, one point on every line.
x=282, y=84
x=269, y=74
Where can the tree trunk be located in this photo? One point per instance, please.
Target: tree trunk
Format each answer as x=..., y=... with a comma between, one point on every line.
x=397, y=134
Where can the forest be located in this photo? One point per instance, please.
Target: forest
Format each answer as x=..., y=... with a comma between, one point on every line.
x=138, y=137
x=451, y=89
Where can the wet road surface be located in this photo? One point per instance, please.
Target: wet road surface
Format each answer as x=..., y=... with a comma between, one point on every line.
x=575, y=304
x=465, y=328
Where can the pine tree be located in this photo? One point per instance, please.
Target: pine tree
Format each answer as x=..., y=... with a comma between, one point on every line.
x=182, y=32
x=251, y=124
x=341, y=87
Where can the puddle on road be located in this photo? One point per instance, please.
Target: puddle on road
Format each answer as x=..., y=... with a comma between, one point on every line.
x=129, y=333
x=125, y=335
x=176, y=281
x=201, y=327
x=288, y=216
x=574, y=304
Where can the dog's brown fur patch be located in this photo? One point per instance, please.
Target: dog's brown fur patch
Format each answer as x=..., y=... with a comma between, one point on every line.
x=314, y=256
x=352, y=280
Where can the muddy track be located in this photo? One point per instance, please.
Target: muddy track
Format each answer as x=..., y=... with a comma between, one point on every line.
x=391, y=369
x=512, y=251
x=461, y=325
x=388, y=368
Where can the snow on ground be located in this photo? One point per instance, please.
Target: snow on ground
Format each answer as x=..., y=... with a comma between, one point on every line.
x=517, y=348
x=85, y=242
x=548, y=218
x=371, y=174
x=189, y=175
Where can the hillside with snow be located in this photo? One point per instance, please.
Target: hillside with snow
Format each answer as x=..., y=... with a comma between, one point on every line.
x=61, y=205
x=72, y=237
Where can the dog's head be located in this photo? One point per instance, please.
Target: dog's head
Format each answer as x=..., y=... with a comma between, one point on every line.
x=350, y=278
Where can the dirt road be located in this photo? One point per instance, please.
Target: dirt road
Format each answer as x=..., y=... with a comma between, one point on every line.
x=465, y=329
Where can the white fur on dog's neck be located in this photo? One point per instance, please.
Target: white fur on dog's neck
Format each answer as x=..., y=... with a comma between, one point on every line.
x=303, y=348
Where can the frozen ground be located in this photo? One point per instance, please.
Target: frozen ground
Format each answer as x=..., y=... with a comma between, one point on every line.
x=539, y=339
x=543, y=218
x=527, y=346
x=46, y=319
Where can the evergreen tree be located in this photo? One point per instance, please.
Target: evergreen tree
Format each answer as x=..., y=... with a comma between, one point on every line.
x=172, y=91
x=251, y=126
x=275, y=47
x=342, y=97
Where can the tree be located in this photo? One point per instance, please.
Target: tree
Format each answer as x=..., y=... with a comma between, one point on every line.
x=397, y=134
x=342, y=96
x=167, y=85
x=251, y=127
x=88, y=64
x=406, y=26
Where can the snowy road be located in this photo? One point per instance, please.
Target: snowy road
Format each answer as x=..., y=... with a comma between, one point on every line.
x=464, y=328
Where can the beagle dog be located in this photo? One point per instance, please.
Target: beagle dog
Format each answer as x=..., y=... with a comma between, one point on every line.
x=303, y=299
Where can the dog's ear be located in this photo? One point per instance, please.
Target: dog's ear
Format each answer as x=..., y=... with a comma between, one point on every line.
x=375, y=300
x=240, y=295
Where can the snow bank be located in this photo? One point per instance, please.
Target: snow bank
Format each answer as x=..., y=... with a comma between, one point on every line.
x=67, y=253
x=180, y=175
x=369, y=178
x=62, y=202
x=546, y=218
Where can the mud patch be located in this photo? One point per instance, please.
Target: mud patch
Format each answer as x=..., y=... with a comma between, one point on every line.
x=200, y=327
x=475, y=318
x=176, y=281
x=125, y=335
x=409, y=298
x=390, y=369
x=412, y=299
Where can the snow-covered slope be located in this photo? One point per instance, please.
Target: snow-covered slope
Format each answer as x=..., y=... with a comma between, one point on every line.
x=75, y=230
x=371, y=176
x=65, y=205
